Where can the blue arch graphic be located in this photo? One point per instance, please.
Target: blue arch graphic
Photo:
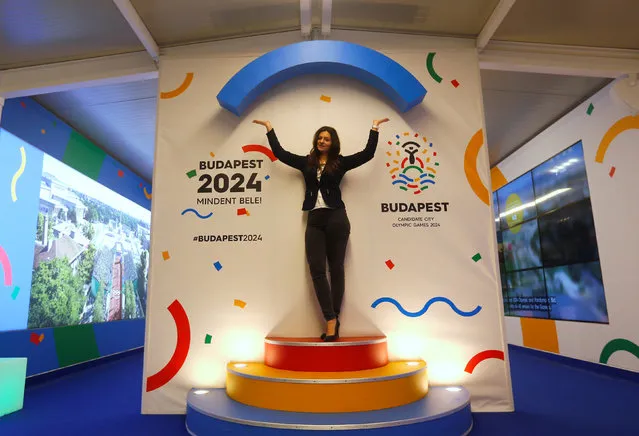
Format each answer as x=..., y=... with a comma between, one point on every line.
x=321, y=57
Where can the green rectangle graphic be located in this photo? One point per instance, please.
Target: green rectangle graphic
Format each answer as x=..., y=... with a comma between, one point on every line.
x=83, y=155
x=75, y=344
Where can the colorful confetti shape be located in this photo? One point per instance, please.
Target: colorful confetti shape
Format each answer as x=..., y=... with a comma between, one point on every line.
x=23, y=104
x=43, y=131
x=120, y=173
x=325, y=98
x=191, y=174
x=207, y=339
x=389, y=263
x=15, y=292
x=180, y=353
x=36, y=338
x=455, y=83
x=480, y=357
x=243, y=211
x=140, y=184
x=180, y=89
x=217, y=265
x=212, y=154
x=239, y=303
x=267, y=177
x=476, y=257
x=590, y=109
x=612, y=171
x=166, y=255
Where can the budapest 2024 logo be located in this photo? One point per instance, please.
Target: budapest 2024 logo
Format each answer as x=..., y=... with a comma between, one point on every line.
x=412, y=163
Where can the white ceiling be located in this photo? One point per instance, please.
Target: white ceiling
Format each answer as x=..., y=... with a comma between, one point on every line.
x=120, y=118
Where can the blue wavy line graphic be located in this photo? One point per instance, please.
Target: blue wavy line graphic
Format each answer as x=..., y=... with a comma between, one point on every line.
x=197, y=213
x=426, y=306
x=404, y=176
x=427, y=181
x=400, y=181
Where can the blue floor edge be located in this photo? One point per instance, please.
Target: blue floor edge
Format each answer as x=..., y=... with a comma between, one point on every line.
x=598, y=368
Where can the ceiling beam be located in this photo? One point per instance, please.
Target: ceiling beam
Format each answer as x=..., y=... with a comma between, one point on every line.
x=493, y=22
x=327, y=15
x=558, y=59
x=64, y=76
x=139, y=28
x=305, y=17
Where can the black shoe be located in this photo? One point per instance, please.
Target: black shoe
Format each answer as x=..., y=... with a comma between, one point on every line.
x=332, y=338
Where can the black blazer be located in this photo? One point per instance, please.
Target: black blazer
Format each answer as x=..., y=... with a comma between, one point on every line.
x=329, y=182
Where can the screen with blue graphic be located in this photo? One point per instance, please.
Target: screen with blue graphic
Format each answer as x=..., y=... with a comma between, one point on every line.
x=71, y=250
x=549, y=258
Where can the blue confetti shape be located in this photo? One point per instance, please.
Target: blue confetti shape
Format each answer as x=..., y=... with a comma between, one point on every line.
x=267, y=177
x=217, y=265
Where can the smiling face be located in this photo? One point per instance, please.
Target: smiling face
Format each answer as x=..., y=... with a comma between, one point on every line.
x=324, y=142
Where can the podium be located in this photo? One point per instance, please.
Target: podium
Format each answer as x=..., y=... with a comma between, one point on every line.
x=305, y=384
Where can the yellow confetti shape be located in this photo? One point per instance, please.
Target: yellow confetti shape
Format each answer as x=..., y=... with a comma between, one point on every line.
x=406, y=133
x=212, y=154
x=425, y=140
x=43, y=131
x=239, y=303
x=166, y=255
x=389, y=153
x=41, y=337
x=325, y=98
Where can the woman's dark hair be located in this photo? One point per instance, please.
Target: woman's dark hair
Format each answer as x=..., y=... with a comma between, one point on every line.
x=333, y=152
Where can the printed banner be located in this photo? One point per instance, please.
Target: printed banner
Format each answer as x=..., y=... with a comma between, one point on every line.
x=228, y=264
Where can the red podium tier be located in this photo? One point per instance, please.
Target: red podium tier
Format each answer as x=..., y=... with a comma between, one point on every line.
x=310, y=354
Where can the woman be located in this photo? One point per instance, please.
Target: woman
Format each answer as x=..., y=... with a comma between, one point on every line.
x=328, y=227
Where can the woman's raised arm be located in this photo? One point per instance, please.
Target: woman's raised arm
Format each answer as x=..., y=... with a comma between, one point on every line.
x=288, y=158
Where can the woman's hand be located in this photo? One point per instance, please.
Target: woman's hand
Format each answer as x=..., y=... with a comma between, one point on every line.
x=266, y=124
x=376, y=123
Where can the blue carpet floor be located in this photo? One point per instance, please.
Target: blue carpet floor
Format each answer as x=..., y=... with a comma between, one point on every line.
x=551, y=398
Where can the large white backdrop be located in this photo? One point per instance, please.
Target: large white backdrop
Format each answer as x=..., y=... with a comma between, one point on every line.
x=242, y=289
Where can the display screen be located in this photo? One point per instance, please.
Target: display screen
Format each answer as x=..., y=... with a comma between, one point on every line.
x=521, y=246
x=577, y=292
x=81, y=255
x=527, y=294
x=568, y=235
x=561, y=180
x=516, y=202
x=549, y=259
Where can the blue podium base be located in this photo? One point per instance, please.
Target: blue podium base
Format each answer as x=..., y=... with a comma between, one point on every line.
x=444, y=411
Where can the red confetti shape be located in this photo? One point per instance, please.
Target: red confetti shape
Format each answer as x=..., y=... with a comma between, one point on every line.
x=612, y=171
x=182, y=345
x=480, y=357
x=120, y=173
x=243, y=211
x=455, y=83
x=35, y=338
x=140, y=185
x=23, y=104
x=389, y=263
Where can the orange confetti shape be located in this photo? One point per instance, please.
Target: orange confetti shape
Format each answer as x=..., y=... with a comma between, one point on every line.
x=325, y=98
x=43, y=131
x=166, y=255
x=212, y=154
x=239, y=303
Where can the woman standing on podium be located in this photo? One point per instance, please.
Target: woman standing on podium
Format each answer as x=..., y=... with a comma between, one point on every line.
x=328, y=227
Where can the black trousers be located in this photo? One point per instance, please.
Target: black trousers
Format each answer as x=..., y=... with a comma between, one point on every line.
x=327, y=232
